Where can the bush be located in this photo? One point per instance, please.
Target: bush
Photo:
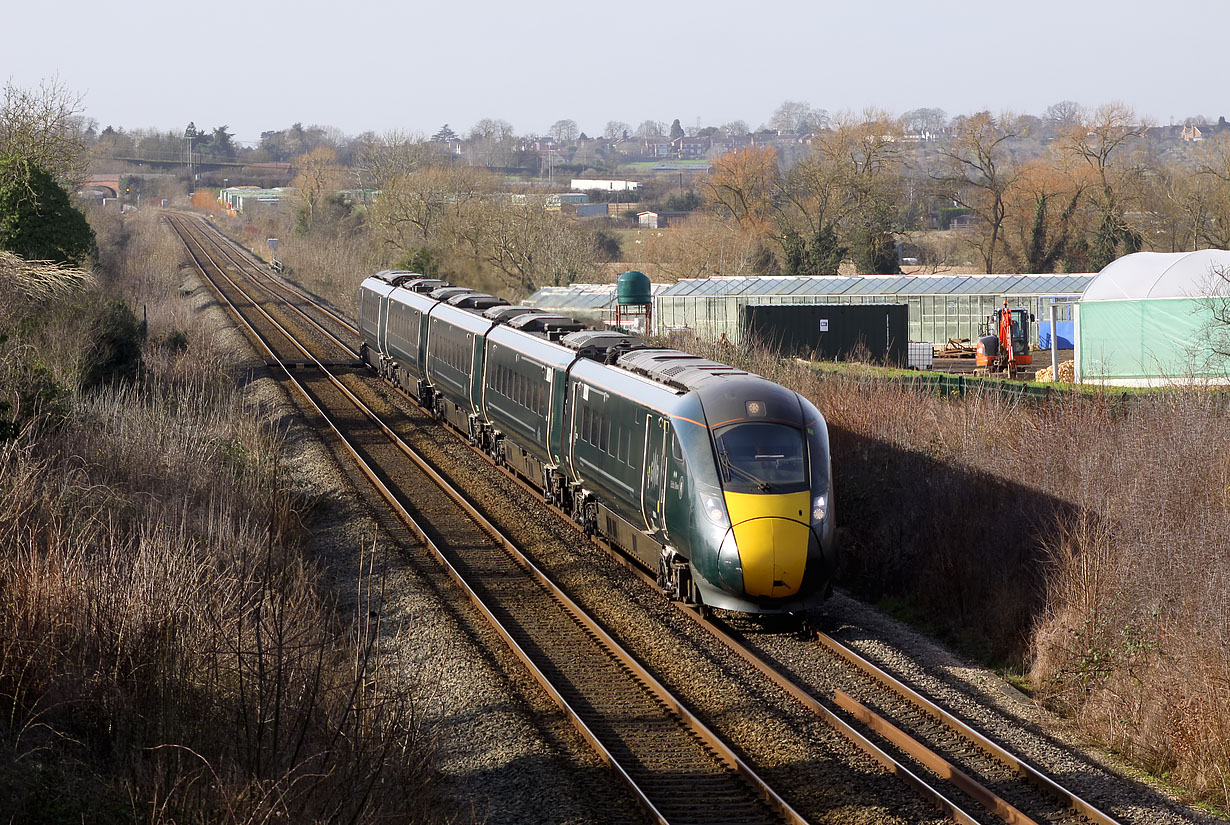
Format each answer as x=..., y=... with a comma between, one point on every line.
x=420, y=259
x=114, y=351
x=168, y=651
x=1081, y=540
x=37, y=221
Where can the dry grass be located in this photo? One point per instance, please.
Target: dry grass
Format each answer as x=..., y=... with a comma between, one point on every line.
x=167, y=652
x=1085, y=540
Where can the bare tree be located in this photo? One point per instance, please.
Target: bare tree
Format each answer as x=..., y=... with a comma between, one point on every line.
x=978, y=174
x=705, y=245
x=1100, y=139
x=1206, y=194
x=318, y=176
x=1064, y=114
x=650, y=129
x=742, y=185
x=491, y=128
x=616, y=129
x=491, y=142
x=736, y=128
x=925, y=121
x=1214, y=334
x=381, y=159
x=564, y=131
x=797, y=117
x=527, y=245
x=416, y=208
x=43, y=126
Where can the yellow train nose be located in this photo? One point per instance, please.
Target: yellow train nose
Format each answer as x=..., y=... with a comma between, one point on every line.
x=771, y=534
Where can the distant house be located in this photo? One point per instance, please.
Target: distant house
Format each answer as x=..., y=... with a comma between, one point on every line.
x=659, y=220
x=692, y=147
x=1192, y=133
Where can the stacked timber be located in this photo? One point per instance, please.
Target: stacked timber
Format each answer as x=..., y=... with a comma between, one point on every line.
x=1067, y=373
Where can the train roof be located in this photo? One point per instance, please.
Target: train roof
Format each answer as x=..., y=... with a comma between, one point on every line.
x=678, y=369
x=476, y=300
x=604, y=345
x=553, y=326
x=413, y=281
x=678, y=372
x=500, y=314
x=448, y=291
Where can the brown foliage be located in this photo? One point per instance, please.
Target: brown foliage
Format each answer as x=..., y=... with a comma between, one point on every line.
x=1083, y=539
x=167, y=651
x=741, y=186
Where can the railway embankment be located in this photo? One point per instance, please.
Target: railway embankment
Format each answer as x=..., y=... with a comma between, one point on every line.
x=1078, y=541
x=172, y=650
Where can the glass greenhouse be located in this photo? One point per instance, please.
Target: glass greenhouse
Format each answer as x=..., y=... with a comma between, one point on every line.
x=940, y=306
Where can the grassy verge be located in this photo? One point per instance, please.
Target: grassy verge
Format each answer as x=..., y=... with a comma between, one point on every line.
x=167, y=650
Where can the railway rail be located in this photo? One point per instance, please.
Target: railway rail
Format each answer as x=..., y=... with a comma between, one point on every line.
x=678, y=769
x=967, y=775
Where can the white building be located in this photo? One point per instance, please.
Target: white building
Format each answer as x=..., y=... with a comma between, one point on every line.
x=607, y=185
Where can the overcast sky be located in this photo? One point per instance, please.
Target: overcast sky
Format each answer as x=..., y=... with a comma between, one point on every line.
x=362, y=65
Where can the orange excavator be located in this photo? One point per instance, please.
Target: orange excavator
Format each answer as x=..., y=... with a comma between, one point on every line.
x=1003, y=344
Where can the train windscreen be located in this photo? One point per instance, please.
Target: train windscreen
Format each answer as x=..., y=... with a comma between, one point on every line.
x=762, y=457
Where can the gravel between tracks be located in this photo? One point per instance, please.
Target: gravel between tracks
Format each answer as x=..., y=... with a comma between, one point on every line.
x=506, y=754
x=708, y=677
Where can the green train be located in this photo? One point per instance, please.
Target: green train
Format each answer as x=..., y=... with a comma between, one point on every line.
x=716, y=478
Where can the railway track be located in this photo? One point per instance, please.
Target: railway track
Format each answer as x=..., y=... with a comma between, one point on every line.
x=677, y=768
x=965, y=774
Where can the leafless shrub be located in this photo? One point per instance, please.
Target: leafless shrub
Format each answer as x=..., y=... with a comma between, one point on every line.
x=1082, y=539
x=167, y=652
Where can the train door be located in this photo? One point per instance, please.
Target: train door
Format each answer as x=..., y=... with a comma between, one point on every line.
x=557, y=438
x=653, y=480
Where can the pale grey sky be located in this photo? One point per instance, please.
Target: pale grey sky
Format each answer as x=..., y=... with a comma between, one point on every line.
x=361, y=64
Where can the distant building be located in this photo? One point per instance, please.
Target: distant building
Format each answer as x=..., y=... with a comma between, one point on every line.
x=659, y=220
x=1192, y=133
x=607, y=185
x=592, y=210
x=237, y=198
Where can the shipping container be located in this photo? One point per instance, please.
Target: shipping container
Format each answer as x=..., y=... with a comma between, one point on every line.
x=831, y=332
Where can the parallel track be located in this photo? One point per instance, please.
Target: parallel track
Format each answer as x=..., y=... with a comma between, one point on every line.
x=930, y=749
x=677, y=768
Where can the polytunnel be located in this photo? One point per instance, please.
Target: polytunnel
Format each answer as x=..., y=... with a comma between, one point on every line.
x=1153, y=318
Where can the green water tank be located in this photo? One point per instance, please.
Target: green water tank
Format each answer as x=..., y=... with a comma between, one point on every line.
x=633, y=288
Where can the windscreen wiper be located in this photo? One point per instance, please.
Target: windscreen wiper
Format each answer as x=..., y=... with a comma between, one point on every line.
x=729, y=467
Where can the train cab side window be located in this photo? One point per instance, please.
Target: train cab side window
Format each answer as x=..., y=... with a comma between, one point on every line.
x=606, y=432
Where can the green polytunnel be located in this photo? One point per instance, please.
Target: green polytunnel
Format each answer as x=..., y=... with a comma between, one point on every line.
x=1154, y=318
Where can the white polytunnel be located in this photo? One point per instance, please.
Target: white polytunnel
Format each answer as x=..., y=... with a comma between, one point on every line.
x=1155, y=318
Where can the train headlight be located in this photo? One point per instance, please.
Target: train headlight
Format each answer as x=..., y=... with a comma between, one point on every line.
x=819, y=508
x=714, y=510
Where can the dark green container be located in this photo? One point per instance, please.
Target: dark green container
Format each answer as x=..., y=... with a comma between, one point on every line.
x=633, y=288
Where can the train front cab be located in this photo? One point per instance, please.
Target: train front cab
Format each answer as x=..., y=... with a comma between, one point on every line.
x=748, y=483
